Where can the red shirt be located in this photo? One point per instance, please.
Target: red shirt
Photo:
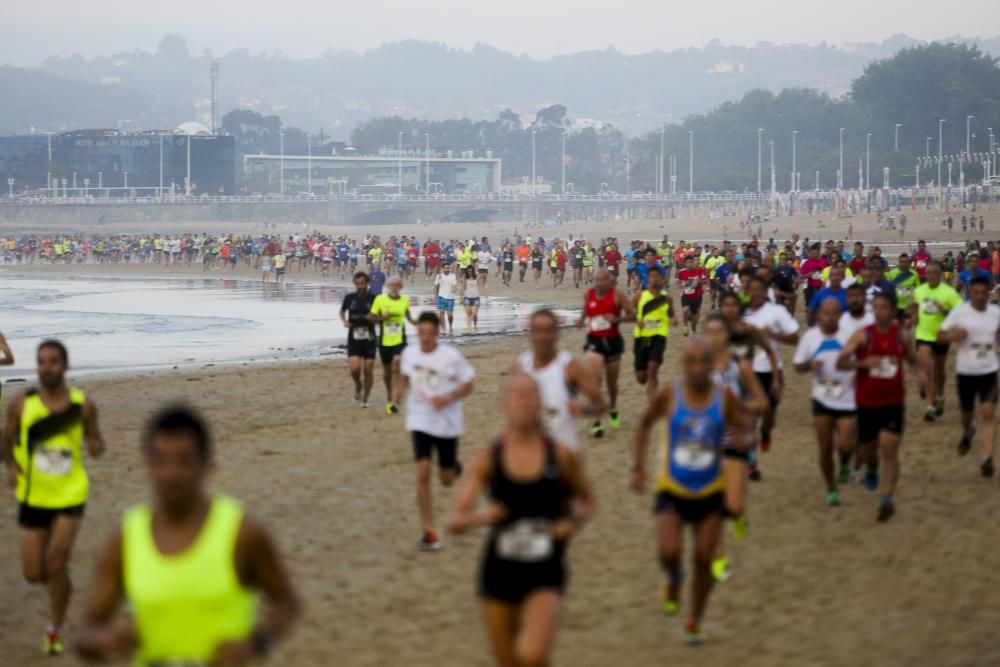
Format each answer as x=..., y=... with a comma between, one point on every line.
x=561, y=260
x=432, y=255
x=813, y=270
x=613, y=258
x=920, y=260
x=857, y=264
x=692, y=282
x=598, y=309
x=881, y=386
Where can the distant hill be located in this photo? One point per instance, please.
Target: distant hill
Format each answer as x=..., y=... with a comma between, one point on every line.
x=339, y=89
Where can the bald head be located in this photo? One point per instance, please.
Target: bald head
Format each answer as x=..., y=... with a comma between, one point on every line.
x=828, y=315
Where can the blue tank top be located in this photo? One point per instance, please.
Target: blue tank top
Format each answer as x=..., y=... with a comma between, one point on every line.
x=691, y=465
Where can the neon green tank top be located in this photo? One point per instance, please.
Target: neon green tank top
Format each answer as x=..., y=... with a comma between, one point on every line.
x=186, y=604
x=393, y=331
x=50, y=454
x=653, y=320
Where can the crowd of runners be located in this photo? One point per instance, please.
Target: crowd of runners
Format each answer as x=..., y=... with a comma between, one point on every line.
x=870, y=320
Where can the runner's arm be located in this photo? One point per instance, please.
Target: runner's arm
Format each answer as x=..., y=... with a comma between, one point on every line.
x=758, y=402
x=11, y=432
x=626, y=305
x=8, y=356
x=586, y=503
x=92, y=430
x=580, y=321
x=732, y=406
x=99, y=640
x=847, y=361
x=463, y=515
x=656, y=409
x=400, y=388
x=578, y=377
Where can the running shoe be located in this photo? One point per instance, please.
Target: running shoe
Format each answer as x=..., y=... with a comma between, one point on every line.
x=939, y=408
x=670, y=605
x=965, y=444
x=754, y=473
x=616, y=419
x=391, y=408
x=687, y=331
x=833, y=498
x=597, y=430
x=364, y=404
x=52, y=644
x=987, y=468
x=858, y=475
x=844, y=473
x=720, y=569
x=871, y=480
x=741, y=527
x=930, y=414
x=429, y=542
x=357, y=393
x=693, y=632
x=886, y=508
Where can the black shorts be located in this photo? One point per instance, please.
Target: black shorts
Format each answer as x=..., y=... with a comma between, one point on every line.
x=447, y=449
x=41, y=518
x=484, y=271
x=692, y=303
x=647, y=349
x=537, y=266
x=871, y=421
x=810, y=292
x=939, y=349
x=386, y=354
x=611, y=348
x=971, y=387
x=690, y=510
x=509, y=268
x=511, y=582
x=820, y=410
x=361, y=348
x=766, y=380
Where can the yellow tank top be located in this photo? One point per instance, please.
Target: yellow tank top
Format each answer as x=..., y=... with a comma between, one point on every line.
x=186, y=604
x=49, y=454
x=652, y=321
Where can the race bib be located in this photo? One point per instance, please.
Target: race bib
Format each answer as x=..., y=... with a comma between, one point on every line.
x=886, y=369
x=55, y=462
x=931, y=307
x=921, y=263
x=426, y=378
x=817, y=275
x=905, y=292
x=525, y=541
x=599, y=323
x=982, y=350
x=360, y=333
x=649, y=325
x=741, y=351
x=689, y=287
x=830, y=389
x=393, y=328
x=694, y=456
x=550, y=419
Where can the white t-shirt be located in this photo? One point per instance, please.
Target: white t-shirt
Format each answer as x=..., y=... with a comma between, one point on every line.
x=849, y=324
x=436, y=373
x=556, y=396
x=777, y=319
x=832, y=387
x=446, y=283
x=484, y=258
x=977, y=354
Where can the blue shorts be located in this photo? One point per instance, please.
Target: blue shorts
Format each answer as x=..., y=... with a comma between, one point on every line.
x=446, y=305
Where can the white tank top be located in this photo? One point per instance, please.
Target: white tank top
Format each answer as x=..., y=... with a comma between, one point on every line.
x=556, y=396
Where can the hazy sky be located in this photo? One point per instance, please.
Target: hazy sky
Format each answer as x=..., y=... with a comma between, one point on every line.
x=539, y=28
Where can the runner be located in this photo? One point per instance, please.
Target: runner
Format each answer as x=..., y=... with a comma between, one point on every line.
x=857, y=316
x=470, y=299
x=539, y=498
x=483, y=260
x=189, y=566
x=778, y=326
x=560, y=378
x=603, y=308
x=537, y=259
x=507, y=264
x=932, y=302
x=654, y=313
x=833, y=404
x=523, y=253
x=445, y=287
x=6, y=359
x=906, y=281
x=392, y=311
x=46, y=431
x=877, y=353
x=360, y=337
x=689, y=482
x=693, y=280
x=975, y=328
x=436, y=378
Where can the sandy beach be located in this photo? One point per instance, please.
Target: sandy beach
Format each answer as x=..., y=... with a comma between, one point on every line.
x=811, y=586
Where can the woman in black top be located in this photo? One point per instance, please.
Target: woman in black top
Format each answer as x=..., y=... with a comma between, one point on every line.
x=539, y=498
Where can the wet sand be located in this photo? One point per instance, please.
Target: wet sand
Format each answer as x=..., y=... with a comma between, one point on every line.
x=811, y=585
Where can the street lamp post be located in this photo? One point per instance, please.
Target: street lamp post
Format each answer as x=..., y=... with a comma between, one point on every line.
x=562, y=188
x=187, y=178
x=927, y=148
x=281, y=164
x=817, y=180
x=760, y=153
x=125, y=181
x=795, y=134
x=10, y=187
x=534, y=182
x=160, y=191
x=660, y=163
x=690, y=161
x=74, y=180
x=628, y=175
x=49, y=177
x=840, y=172
x=868, y=161
x=427, y=163
x=399, y=164
x=940, y=159
x=968, y=136
x=309, y=163
x=774, y=184
x=86, y=187
x=895, y=141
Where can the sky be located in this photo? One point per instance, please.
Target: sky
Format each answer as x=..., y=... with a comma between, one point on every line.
x=538, y=28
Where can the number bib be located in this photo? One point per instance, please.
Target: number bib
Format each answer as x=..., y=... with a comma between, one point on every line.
x=55, y=462
x=931, y=307
x=982, y=350
x=550, y=419
x=886, y=369
x=393, y=328
x=525, y=541
x=360, y=333
x=649, y=325
x=694, y=456
x=830, y=389
x=599, y=323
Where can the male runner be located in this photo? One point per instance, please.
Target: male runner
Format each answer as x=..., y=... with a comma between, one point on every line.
x=833, y=405
x=654, y=313
x=921, y=258
x=189, y=566
x=360, y=337
x=392, y=311
x=693, y=279
x=877, y=353
x=906, y=281
x=697, y=413
x=603, y=309
x=560, y=378
x=445, y=288
x=43, y=441
x=437, y=378
x=975, y=328
x=932, y=302
x=523, y=252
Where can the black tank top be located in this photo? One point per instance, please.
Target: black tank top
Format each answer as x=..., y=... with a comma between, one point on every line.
x=532, y=507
